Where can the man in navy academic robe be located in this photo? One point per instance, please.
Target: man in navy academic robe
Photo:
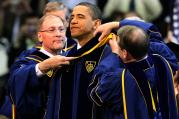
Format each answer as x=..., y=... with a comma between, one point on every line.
x=37, y=71
x=143, y=89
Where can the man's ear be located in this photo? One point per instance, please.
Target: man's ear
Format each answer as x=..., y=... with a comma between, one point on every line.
x=39, y=35
x=124, y=54
x=97, y=23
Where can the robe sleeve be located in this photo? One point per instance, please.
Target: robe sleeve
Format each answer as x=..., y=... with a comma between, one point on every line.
x=141, y=24
x=163, y=50
x=149, y=28
x=23, y=86
x=105, y=88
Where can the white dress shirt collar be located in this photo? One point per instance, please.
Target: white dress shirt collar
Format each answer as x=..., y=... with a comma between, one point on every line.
x=45, y=52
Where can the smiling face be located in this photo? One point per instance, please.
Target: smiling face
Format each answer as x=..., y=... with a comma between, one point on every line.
x=52, y=34
x=81, y=22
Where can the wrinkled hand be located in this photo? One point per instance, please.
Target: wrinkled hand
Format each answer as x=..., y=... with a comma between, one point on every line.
x=105, y=29
x=114, y=44
x=54, y=62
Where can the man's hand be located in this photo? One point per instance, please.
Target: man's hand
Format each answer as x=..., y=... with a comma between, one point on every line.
x=105, y=29
x=54, y=62
x=114, y=44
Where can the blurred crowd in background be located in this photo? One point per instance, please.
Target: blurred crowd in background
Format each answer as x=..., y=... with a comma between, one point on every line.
x=19, y=18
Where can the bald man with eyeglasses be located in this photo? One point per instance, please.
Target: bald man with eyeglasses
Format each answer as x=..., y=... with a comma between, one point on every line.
x=33, y=75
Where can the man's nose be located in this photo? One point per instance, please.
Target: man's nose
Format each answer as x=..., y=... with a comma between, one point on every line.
x=73, y=21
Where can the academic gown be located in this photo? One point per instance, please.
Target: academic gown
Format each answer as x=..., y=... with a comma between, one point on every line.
x=5, y=108
x=75, y=103
x=29, y=93
x=128, y=92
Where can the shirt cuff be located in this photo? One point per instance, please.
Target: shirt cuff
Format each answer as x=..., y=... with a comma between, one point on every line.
x=38, y=72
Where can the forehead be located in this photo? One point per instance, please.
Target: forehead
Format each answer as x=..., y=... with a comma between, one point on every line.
x=50, y=21
x=81, y=10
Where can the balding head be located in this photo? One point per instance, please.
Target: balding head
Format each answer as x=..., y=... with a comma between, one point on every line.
x=134, y=40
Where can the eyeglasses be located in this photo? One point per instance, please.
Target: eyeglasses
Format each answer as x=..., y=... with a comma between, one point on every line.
x=54, y=29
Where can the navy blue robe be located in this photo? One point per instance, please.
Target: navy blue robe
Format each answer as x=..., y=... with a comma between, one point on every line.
x=75, y=103
x=112, y=89
x=5, y=108
x=28, y=92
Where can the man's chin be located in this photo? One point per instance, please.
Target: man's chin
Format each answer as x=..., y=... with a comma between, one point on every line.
x=59, y=47
x=74, y=35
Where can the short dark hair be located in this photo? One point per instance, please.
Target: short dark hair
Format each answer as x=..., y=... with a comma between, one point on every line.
x=134, y=40
x=94, y=10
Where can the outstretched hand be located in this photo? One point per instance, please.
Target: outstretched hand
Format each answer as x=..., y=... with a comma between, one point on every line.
x=54, y=62
x=105, y=29
x=114, y=44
